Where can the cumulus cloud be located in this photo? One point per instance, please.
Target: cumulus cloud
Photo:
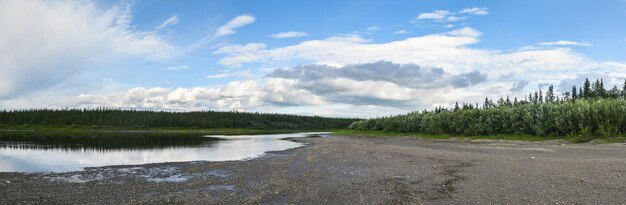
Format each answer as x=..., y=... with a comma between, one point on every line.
x=401, y=85
x=239, y=21
x=55, y=40
x=347, y=72
x=289, y=34
x=173, y=20
x=405, y=75
x=238, y=95
x=345, y=66
x=353, y=49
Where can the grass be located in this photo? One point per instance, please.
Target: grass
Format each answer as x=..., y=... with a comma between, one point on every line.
x=521, y=137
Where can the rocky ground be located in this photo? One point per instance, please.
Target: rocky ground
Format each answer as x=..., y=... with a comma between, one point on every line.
x=352, y=170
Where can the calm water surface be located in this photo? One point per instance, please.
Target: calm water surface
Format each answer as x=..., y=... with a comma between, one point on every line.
x=32, y=153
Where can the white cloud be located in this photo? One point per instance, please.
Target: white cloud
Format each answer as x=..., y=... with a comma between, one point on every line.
x=401, y=32
x=238, y=95
x=126, y=40
x=239, y=21
x=372, y=28
x=342, y=50
x=438, y=15
x=565, y=43
x=449, y=16
x=43, y=43
x=337, y=88
x=180, y=67
x=236, y=74
x=224, y=30
x=289, y=34
x=466, y=31
x=450, y=51
x=475, y=11
x=173, y=20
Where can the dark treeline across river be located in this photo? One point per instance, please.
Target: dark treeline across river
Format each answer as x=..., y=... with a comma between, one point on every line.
x=124, y=118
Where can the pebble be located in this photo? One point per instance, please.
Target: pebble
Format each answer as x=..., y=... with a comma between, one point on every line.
x=7, y=181
x=532, y=157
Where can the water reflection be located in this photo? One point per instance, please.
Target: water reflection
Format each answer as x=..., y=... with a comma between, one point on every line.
x=98, y=141
x=32, y=153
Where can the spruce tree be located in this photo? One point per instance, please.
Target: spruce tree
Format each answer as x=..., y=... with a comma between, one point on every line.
x=614, y=92
x=624, y=90
x=580, y=93
x=587, y=89
x=486, y=105
x=550, y=94
x=574, y=94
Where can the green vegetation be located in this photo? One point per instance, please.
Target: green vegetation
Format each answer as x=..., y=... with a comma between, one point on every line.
x=134, y=119
x=582, y=115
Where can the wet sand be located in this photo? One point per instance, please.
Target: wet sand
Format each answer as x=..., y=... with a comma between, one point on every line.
x=352, y=170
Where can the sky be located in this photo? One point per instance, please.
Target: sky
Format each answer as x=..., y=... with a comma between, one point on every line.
x=360, y=58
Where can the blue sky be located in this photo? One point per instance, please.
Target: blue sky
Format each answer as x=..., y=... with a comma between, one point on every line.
x=374, y=57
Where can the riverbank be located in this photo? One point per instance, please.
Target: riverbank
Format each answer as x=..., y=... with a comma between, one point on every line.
x=353, y=170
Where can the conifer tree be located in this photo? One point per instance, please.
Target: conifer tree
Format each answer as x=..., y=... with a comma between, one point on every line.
x=580, y=93
x=587, y=89
x=624, y=90
x=550, y=94
x=486, y=104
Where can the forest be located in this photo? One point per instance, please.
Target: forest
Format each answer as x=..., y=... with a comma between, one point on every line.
x=125, y=118
x=589, y=110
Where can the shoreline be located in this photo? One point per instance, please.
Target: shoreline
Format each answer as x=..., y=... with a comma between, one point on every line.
x=340, y=170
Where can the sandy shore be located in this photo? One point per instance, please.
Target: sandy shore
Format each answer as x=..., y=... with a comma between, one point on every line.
x=352, y=170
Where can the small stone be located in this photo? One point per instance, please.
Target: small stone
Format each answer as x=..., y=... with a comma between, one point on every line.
x=7, y=181
x=532, y=157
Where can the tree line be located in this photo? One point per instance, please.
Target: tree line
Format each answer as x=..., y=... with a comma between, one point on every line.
x=586, y=110
x=124, y=118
